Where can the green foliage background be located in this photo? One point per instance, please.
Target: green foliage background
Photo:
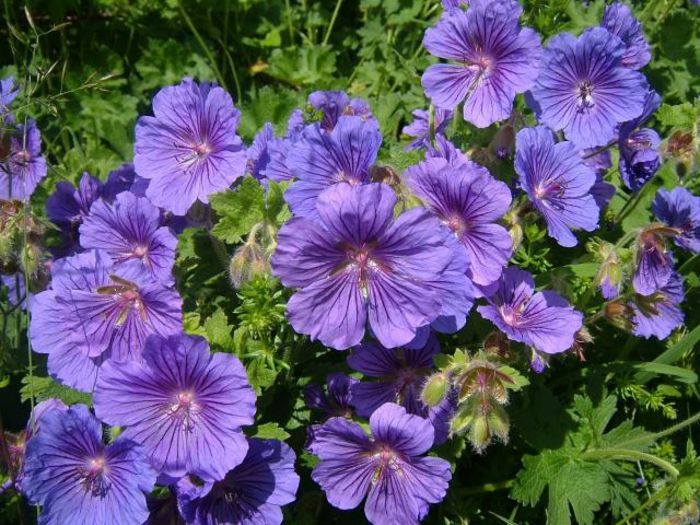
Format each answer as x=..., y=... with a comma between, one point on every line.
x=90, y=68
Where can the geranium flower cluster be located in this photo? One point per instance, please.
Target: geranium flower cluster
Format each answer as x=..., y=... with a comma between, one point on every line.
x=377, y=266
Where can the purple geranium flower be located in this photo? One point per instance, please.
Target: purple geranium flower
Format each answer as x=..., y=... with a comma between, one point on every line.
x=358, y=265
x=496, y=60
x=335, y=104
x=419, y=129
x=278, y=148
x=400, y=375
x=122, y=179
x=190, y=148
x=22, y=166
x=558, y=183
x=323, y=159
x=389, y=468
x=337, y=402
x=68, y=206
x=79, y=479
x=250, y=494
x=8, y=92
x=129, y=230
x=94, y=312
x=654, y=263
x=584, y=89
x=543, y=320
x=258, y=154
x=659, y=314
x=444, y=149
x=469, y=201
x=185, y=405
x=618, y=19
x=679, y=209
x=454, y=4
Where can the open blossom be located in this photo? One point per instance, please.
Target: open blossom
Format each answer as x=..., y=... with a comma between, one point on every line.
x=679, y=209
x=390, y=467
x=123, y=178
x=335, y=104
x=658, y=314
x=399, y=376
x=250, y=494
x=323, y=159
x=584, y=89
x=337, y=402
x=653, y=261
x=95, y=312
x=618, y=19
x=129, y=230
x=557, y=182
x=185, y=405
x=543, y=320
x=78, y=479
x=496, y=59
x=258, y=155
x=419, y=129
x=278, y=148
x=359, y=266
x=189, y=149
x=22, y=166
x=469, y=201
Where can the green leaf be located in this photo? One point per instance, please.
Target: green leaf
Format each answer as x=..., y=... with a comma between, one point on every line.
x=673, y=354
x=219, y=332
x=679, y=116
x=306, y=66
x=43, y=388
x=238, y=210
x=268, y=431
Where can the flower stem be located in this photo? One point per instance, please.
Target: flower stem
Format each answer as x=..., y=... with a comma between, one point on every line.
x=332, y=22
x=632, y=455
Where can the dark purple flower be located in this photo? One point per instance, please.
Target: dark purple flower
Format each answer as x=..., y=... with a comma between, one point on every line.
x=543, y=320
x=258, y=153
x=337, y=402
x=400, y=374
x=323, y=159
x=654, y=263
x=250, y=494
x=679, y=209
x=129, y=230
x=584, y=89
x=557, y=182
x=618, y=19
x=469, y=201
x=8, y=92
x=14, y=284
x=68, y=206
x=496, y=59
x=190, y=148
x=78, y=479
x=358, y=265
x=389, y=468
x=335, y=104
x=639, y=157
x=659, y=314
x=22, y=166
x=122, y=179
x=185, y=405
x=94, y=312
x=600, y=162
x=419, y=129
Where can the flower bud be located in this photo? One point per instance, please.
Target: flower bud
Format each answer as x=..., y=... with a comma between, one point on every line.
x=619, y=314
x=480, y=433
x=31, y=258
x=435, y=389
x=247, y=263
x=498, y=345
x=499, y=423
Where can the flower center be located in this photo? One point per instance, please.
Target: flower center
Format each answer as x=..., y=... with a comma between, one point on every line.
x=549, y=189
x=456, y=223
x=585, y=95
x=202, y=149
x=126, y=295
x=92, y=477
x=140, y=251
x=184, y=408
x=512, y=314
x=384, y=458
